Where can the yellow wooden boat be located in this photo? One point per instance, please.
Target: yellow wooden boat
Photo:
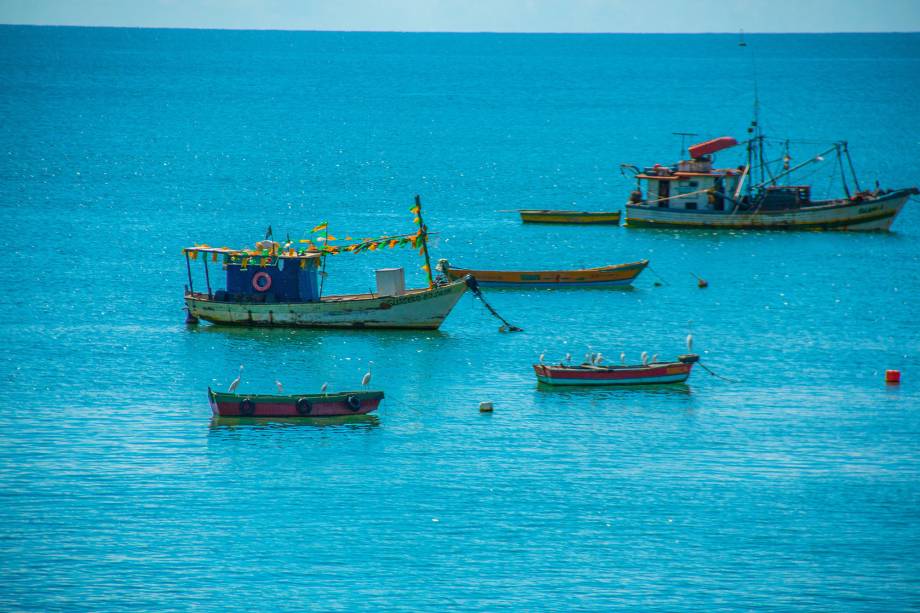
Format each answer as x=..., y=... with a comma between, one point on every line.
x=579, y=217
x=620, y=274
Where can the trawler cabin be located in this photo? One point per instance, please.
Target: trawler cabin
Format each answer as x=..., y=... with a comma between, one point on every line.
x=692, y=184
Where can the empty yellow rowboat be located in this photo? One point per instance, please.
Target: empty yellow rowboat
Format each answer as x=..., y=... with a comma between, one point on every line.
x=579, y=217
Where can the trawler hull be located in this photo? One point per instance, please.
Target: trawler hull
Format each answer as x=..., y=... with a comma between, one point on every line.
x=422, y=309
x=875, y=213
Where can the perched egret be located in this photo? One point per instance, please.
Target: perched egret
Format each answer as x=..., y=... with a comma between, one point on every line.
x=689, y=343
x=654, y=358
x=365, y=381
x=322, y=389
x=279, y=386
x=623, y=358
x=568, y=358
x=598, y=358
x=236, y=382
x=645, y=358
x=542, y=355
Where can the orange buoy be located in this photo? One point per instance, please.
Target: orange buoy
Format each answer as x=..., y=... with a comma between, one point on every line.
x=892, y=376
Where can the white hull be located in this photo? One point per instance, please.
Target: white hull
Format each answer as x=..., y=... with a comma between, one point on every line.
x=416, y=309
x=874, y=214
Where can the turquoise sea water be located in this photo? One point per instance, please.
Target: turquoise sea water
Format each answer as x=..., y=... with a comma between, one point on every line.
x=797, y=487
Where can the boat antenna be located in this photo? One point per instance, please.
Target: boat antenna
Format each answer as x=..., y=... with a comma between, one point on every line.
x=755, y=143
x=683, y=136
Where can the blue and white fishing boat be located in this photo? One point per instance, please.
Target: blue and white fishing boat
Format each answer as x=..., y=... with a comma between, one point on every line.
x=693, y=193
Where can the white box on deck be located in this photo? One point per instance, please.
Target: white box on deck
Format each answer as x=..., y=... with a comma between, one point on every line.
x=391, y=282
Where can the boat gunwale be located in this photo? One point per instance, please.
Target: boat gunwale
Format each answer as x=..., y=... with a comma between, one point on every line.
x=825, y=205
x=293, y=398
x=336, y=298
x=568, y=212
x=640, y=264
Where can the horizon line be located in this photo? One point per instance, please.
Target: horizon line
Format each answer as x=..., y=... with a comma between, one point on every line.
x=394, y=31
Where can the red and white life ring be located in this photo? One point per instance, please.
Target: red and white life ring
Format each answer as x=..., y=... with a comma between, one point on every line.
x=261, y=281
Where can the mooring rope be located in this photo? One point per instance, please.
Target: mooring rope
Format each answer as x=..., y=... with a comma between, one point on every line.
x=649, y=266
x=474, y=287
x=718, y=376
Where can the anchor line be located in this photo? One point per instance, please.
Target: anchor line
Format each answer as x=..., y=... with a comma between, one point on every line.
x=474, y=287
x=656, y=274
x=716, y=375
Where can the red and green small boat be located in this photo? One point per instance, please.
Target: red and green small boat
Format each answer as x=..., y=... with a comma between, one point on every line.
x=640, y=374
x=226, y=404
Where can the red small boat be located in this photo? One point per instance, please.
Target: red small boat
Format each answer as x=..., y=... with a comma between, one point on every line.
x=294, y=405
x=642, y=374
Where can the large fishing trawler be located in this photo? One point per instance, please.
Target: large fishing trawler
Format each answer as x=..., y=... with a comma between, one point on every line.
x=694, y=193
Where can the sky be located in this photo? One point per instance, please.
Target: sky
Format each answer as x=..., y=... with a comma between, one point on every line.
x=478, y=15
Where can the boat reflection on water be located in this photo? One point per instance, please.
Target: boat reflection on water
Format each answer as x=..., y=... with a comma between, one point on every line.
x=353, y=422
x=656, y=389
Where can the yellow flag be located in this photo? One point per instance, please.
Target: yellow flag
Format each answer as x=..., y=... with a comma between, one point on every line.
x=331, y=238
x=320, y=227
x=372, y=247
x=394, y=242
x=426, y=268
x=416, y=220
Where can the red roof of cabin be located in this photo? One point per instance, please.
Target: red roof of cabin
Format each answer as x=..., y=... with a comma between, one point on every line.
x=711, y=146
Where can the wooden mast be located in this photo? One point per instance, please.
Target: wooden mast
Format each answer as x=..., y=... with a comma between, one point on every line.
x=424, y=237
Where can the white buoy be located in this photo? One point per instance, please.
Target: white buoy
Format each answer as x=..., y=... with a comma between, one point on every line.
x=485, y=407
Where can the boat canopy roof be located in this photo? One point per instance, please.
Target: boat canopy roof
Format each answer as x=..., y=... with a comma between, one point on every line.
x=288, y=253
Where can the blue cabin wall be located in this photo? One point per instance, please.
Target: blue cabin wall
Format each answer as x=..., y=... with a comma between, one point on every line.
x=290, y=282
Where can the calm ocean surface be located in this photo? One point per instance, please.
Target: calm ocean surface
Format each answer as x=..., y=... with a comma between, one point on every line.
x=796, y=488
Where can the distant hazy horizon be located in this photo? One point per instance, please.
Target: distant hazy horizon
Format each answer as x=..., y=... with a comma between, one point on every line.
x=372, y=31
x=497, y=16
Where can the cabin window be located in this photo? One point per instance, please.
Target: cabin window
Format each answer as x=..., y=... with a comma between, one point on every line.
x=694, y=183
x=690, y=206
